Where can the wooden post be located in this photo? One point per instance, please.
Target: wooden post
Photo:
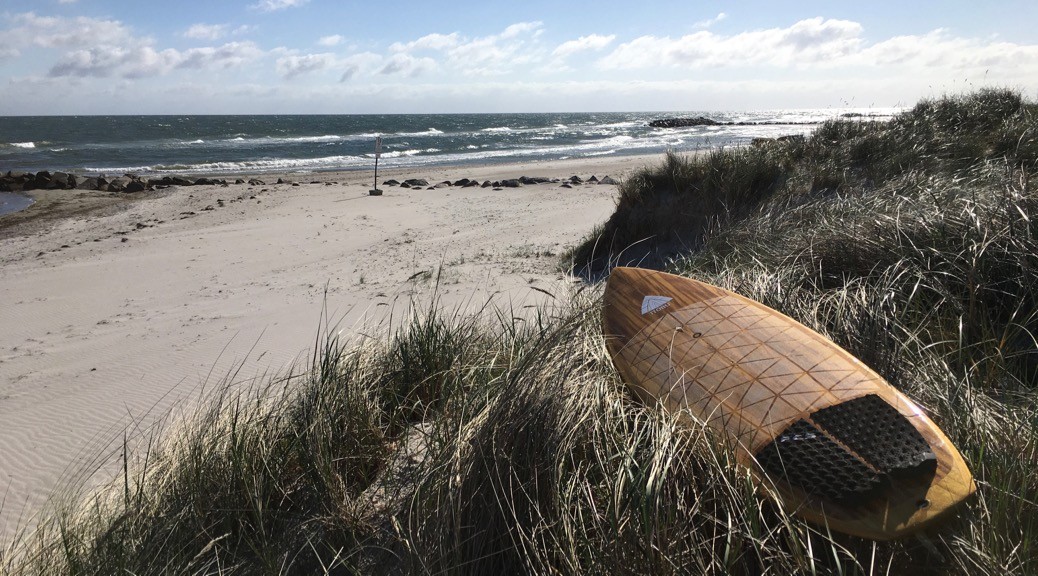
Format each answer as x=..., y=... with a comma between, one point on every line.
x=378, y=152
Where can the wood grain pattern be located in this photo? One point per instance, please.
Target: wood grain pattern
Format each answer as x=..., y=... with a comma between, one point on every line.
x=748, y=372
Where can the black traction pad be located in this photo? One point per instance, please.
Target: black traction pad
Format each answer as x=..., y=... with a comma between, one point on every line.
x=881, y=435
x=810, y=460
x=847, y=452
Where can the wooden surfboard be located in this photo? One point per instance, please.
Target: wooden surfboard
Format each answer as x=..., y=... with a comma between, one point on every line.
x=824, y=434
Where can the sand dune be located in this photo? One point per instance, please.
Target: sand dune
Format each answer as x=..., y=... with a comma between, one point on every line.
x=113, y=318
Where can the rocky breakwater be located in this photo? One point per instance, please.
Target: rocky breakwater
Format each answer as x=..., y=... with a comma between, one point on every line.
x=128, y=183
x=684, y=122
x=421, y=183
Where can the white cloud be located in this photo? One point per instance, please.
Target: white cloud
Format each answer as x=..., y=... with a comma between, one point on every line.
x=28, y=29
x=143, y=61
x=329, y=41
x=407, y=65
x=428, y=42
x=939, y=50
x=515, y=30
x=275, y=5
x=67, y=1
x=229, y=55
x=356, y=64
x=803, y=43
x=711, y=21
x=291, y=66
x=591, y=42
x=206, y=31
x=487, y=55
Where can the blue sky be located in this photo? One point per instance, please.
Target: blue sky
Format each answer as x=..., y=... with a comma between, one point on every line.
x=391, y=56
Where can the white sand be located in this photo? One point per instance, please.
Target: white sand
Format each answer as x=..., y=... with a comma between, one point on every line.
x=146, y=305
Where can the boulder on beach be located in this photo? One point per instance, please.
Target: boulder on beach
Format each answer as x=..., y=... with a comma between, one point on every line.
x=118, y=184
x=527, y=180
x=608, y=180
x=87, y=184
x=391, y=182
x=134, y=186
x=416, y=182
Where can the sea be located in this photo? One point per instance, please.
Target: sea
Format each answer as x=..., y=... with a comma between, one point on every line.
x=243, y=144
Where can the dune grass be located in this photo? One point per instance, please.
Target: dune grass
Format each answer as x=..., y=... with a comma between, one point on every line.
x=479, y=443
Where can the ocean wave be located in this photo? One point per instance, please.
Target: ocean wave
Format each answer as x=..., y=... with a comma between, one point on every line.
x=260, y=165
x=498, y=129
x=403, y=153
x=429, y=132
x=23, y=144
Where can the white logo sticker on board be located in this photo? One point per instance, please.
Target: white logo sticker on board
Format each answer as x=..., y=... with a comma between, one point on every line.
x=654, y=303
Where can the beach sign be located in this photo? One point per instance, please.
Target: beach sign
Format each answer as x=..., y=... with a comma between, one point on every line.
x=378, y=147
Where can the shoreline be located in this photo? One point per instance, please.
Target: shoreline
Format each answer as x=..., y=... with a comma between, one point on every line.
x=124, y=307
x=49, y=206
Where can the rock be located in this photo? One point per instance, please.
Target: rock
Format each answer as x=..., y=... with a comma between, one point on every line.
x=608, y=180
x=463, y=182
x=256, y=182
x=239, y=181
x=416, y=182
x=391, y=182
x=575, y=180
x=683, y=122
x=486, y=184
x=442, y=185
x=59, y=181
x=511, y=183
x=208, y=182
x=565, y=185
x=527, y=180
x=134, y=186
x=471, y=184
x=405, y=185
x=87, y=184
x=592, y=180
x=119, y=184
x=179, y=181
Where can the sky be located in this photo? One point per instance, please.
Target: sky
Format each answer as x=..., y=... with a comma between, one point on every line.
x=69, y=57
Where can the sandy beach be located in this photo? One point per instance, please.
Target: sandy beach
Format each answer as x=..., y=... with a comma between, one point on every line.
x=119, y=310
